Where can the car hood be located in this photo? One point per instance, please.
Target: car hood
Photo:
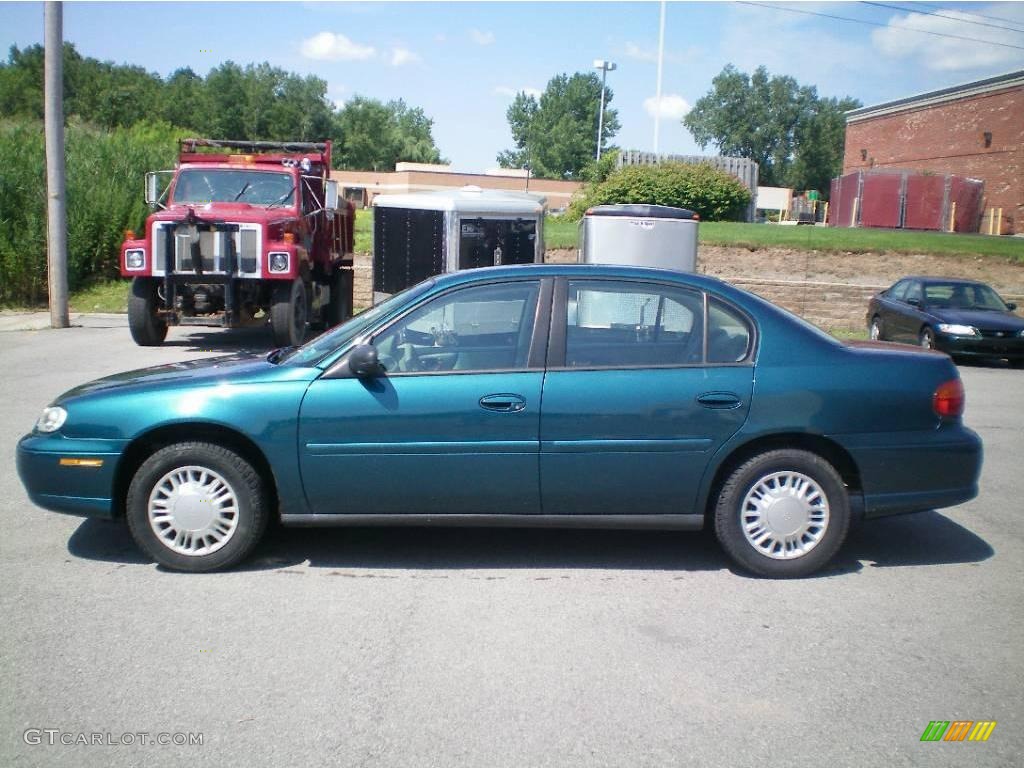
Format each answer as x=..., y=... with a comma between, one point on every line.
x=233, y=369
x=981, y=319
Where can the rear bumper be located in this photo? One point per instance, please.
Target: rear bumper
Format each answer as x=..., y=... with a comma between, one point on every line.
x=85, y=490
x=915, y=471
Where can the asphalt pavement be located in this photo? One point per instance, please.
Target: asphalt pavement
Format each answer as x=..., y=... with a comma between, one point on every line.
x=384, y=647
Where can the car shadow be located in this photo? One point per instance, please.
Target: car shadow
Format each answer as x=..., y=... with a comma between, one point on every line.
x=925, y=538
x=250, y=340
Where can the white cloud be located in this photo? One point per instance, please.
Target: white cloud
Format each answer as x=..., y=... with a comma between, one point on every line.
x=635, y=51
x=331, y=46
x=480, y=37
x=673, y=107
x=504, y=90
x=400, y=56
x=898, y=40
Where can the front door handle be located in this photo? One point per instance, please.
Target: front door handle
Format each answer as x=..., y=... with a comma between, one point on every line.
x=504, y=403
x=719, y=399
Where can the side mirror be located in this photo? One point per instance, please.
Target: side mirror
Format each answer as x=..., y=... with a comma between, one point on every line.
x=152, y=189
x=914, y=302
x=331, y=196
x=1012, y=306
x=363, y=362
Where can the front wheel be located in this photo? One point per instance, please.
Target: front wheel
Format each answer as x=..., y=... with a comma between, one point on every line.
x=289, y=313
x=196, y=507
x=926, y=338
x=148, y=329
x=783, y=513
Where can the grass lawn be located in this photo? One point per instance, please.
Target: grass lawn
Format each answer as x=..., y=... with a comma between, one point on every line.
x=107, y=296
x=561, y=233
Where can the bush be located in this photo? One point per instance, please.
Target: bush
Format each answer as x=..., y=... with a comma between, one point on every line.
x=714, y=194
x=105, y=171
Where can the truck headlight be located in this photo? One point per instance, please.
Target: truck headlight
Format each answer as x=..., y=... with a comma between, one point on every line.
x=279, y=262
x=135, y=258
x=953, y=329
x=52, y=419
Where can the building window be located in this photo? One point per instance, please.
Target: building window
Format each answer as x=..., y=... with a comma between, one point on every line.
x=988, y=139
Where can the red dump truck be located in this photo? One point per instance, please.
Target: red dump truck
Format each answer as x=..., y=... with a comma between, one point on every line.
x=244, y=233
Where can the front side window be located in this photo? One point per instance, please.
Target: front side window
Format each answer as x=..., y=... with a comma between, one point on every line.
x=212, y=185
x=613, y=324
x=482, y=328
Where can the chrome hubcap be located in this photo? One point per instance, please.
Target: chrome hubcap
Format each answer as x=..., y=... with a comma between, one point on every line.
x=784, y=515
x=193, y=511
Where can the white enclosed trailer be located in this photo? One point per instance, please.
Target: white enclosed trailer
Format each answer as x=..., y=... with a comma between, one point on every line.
x=640, y=235
x=421, y=234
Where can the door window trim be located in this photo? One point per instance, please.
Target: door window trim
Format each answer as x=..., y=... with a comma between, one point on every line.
x=560, y=322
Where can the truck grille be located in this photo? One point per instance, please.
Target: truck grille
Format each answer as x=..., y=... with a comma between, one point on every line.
x=213, y=251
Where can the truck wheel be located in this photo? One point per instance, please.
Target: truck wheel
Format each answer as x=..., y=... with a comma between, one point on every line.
x=148, y=329
x=289, y=313
x=340, y=308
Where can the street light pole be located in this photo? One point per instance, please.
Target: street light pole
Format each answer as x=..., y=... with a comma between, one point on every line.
x=605, y=67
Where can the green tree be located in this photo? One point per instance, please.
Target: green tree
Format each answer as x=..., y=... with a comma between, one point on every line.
x=373, y=135
x=795, y=136
x=556, y=135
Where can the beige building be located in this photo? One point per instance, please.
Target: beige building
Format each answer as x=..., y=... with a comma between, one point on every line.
x=362, y=186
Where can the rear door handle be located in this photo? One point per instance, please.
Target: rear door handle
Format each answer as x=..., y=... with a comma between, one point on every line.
x=719, y=399
x=503, y=403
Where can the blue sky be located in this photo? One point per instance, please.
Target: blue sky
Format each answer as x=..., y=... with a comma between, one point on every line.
x=462, y=62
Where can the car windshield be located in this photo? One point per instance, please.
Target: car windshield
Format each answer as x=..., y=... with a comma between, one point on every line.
x=326, y=343
x=211, y=185
x=962, y=296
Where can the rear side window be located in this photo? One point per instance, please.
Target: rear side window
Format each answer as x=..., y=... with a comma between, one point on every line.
x=899, y=291
x=611, y=324
x=729, y=334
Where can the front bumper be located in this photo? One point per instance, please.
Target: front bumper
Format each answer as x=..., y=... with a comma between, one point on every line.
x=1009, y=347
x=916, y=471
x=72, y=487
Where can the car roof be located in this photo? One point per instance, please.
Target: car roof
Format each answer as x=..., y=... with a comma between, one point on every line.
x=581, y=271
x=933, y=279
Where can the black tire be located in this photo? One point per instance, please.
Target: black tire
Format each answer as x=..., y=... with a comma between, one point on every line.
x=340, y=308
x=147, y=328
x=250, y=511
x=926, y=338
x=876, y=330
x=729, y=513
x=289, y=313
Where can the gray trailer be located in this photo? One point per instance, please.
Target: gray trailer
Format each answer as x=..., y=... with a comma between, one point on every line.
x=421, y=234
x=640, y=235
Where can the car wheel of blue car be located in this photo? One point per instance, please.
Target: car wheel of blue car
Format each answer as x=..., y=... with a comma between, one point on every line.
x=783, y=513
x=196, y=507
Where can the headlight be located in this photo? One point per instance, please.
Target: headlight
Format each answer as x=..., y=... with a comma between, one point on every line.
x=53, y=418
x=278, y=262
x=958, y=330
x=135, y=259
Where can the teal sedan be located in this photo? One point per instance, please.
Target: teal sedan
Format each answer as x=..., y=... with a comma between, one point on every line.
x=530, y=395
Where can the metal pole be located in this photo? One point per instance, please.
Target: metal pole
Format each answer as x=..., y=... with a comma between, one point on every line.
x=56, y=230
x=661, y=61
x=600, y=117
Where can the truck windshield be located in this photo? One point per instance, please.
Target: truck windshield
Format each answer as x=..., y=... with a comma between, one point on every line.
x=211, y=185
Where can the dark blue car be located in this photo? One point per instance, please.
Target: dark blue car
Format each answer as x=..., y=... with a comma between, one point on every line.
x=963, y=318
x=526, y=396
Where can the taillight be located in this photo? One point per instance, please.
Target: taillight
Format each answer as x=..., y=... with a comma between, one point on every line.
x=948, y=400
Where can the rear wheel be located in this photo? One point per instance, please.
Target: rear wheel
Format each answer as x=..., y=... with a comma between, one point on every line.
x=783, y=513
x=147, y=328
x=875, y=329
x=289, y=313
x=196, y=507
x=926, y=338
x=340, y=308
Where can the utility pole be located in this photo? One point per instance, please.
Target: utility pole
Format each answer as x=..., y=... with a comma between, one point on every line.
x=56, y=215
x=661, y=60
x=605, y=67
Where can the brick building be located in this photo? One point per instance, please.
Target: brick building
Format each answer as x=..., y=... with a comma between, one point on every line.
x=974, y=130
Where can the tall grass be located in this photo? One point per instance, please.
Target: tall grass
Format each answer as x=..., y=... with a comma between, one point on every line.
x=105, y=171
